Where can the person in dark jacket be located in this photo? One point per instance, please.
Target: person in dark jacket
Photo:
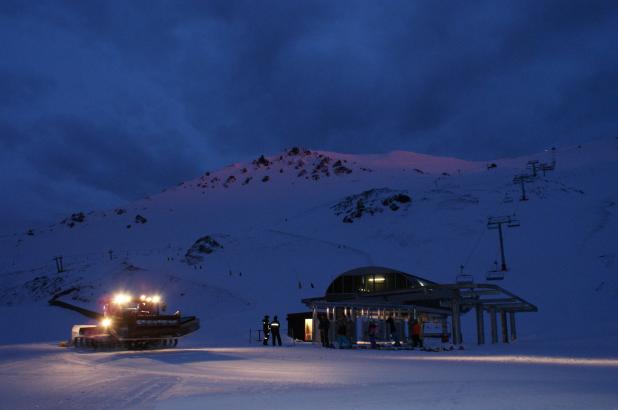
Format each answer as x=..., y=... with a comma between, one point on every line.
x=392, y=328
x=266, y=329
x=417, y=339
x=343, y=342
x=372, y=332
x=324, y=326
x=274, y=328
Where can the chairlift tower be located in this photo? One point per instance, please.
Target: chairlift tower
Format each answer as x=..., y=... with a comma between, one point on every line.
x=59, y=265
x=496, y=222
x=552, y=152
x=545, y=167
x=533, y=164
x=522, y=179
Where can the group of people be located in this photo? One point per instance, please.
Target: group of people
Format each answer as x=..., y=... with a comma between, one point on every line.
x=344, y=331
x=345, y=328
x=273, y=328
x=416, y=330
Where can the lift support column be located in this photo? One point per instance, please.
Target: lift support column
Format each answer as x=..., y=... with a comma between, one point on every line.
x=504, y=326
x=444, y=326
x=480, y=325
x=314, y=326
x=494, y=324
x=456, y=322
x=355, y=320
x=331, y=330
x=513, y=326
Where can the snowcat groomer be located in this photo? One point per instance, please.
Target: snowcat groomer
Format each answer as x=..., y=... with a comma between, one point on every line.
x=130, y=322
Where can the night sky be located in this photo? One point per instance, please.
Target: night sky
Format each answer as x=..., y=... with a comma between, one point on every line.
x=103, y=102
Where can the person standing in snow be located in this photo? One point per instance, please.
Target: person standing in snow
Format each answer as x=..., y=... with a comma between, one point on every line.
x=324, y=326
x=350, y=331
x=342, y=335
x=372, y=331
x=393, y=330
x=266, y=329
x=417, y=339
x=274, y=328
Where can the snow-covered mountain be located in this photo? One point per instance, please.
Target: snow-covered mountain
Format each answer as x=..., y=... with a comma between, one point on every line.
x=256, y=238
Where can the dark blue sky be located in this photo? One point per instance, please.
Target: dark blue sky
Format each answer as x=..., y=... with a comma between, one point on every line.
x=102, y=102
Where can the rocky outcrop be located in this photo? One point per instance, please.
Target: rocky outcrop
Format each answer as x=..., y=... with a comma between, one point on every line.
x=203, y=246
x=371, y=202
x=261, y=161
x=74, y=219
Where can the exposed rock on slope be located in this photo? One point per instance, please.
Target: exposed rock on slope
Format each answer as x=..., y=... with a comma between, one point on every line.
x=75, y=218
x=371, y=202
x=203, y=246
x=304, y=163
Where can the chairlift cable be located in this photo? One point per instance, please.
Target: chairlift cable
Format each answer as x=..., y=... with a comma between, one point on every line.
x=474, y=248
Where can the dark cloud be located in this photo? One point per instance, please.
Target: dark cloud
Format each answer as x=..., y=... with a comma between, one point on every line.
x=107, y=158
x=18, y=89
x=117, y=99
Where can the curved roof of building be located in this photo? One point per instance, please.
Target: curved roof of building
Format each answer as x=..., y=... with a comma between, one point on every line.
x=366, y=270
x=370, y=279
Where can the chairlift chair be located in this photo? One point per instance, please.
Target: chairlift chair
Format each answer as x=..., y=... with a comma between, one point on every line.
x=464, y=278
x=495, y=274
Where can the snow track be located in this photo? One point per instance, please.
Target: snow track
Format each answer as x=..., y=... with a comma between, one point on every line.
x=45, y=376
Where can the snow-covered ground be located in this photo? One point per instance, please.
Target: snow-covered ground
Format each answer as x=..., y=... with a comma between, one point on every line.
x=280, y=229
x=305, y=377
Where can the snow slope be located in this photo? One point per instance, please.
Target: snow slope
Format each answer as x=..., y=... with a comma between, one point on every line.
x=280, y=225
x=255, y=238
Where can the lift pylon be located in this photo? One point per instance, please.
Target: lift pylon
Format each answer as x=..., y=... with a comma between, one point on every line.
x=496, y=222
x=522, y=179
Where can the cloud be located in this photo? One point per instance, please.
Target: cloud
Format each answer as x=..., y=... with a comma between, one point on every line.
x=119, y=100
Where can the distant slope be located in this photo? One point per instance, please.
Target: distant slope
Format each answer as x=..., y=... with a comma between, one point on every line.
x=287, y=224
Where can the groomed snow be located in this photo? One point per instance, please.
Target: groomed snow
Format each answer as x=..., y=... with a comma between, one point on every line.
x=303, y=377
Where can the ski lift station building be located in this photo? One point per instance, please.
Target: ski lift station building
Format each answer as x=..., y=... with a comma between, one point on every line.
x=373, y=293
